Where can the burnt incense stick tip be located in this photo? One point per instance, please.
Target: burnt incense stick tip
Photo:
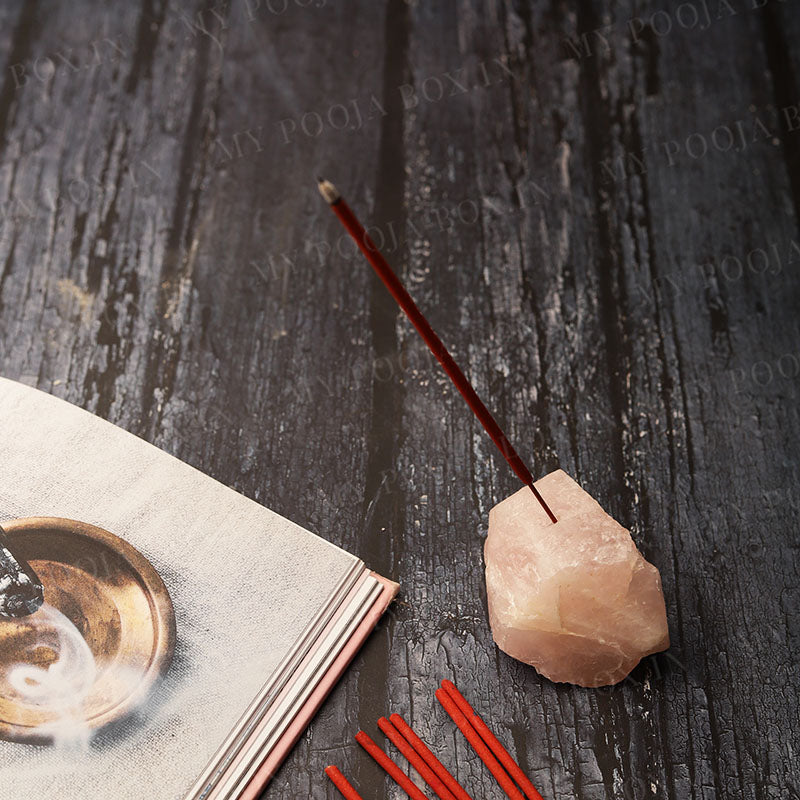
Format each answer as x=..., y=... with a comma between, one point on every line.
x=21, y=592
x=328, y=191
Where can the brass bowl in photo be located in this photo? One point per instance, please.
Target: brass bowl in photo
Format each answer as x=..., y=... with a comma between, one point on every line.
x=98, y=589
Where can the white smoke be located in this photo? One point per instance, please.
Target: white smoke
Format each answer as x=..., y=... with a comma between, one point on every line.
x=61, y=688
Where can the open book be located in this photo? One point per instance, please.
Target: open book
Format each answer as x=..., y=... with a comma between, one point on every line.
x=188, y=634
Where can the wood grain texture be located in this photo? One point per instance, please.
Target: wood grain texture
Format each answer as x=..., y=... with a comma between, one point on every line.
x=597, y=208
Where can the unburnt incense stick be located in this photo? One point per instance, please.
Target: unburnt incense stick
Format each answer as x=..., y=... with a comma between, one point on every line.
x=493, y=765
x=404, y=300
x=388, y=766
x=341, y=783
x=503, y=756
x=416, y=761
x=430, y=759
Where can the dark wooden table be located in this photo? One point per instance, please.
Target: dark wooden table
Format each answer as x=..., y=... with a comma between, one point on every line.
x=599, y=211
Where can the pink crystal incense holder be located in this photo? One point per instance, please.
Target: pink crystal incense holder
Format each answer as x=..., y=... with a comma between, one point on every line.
x=568, y=591
x=575, y=599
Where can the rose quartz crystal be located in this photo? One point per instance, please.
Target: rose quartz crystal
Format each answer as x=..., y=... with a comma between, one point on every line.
x=576, y=598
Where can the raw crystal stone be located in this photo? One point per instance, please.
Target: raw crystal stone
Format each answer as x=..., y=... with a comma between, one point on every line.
x=575, y=599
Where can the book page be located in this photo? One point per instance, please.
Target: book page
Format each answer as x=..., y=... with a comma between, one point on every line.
x=244, y=583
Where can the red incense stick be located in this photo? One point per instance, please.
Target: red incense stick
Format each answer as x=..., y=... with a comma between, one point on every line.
x=404, y=300
x=503, y=756
x=399, y=777
x=413, y=758
x=430, y=759
x=477, y=743
x=342, y=784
